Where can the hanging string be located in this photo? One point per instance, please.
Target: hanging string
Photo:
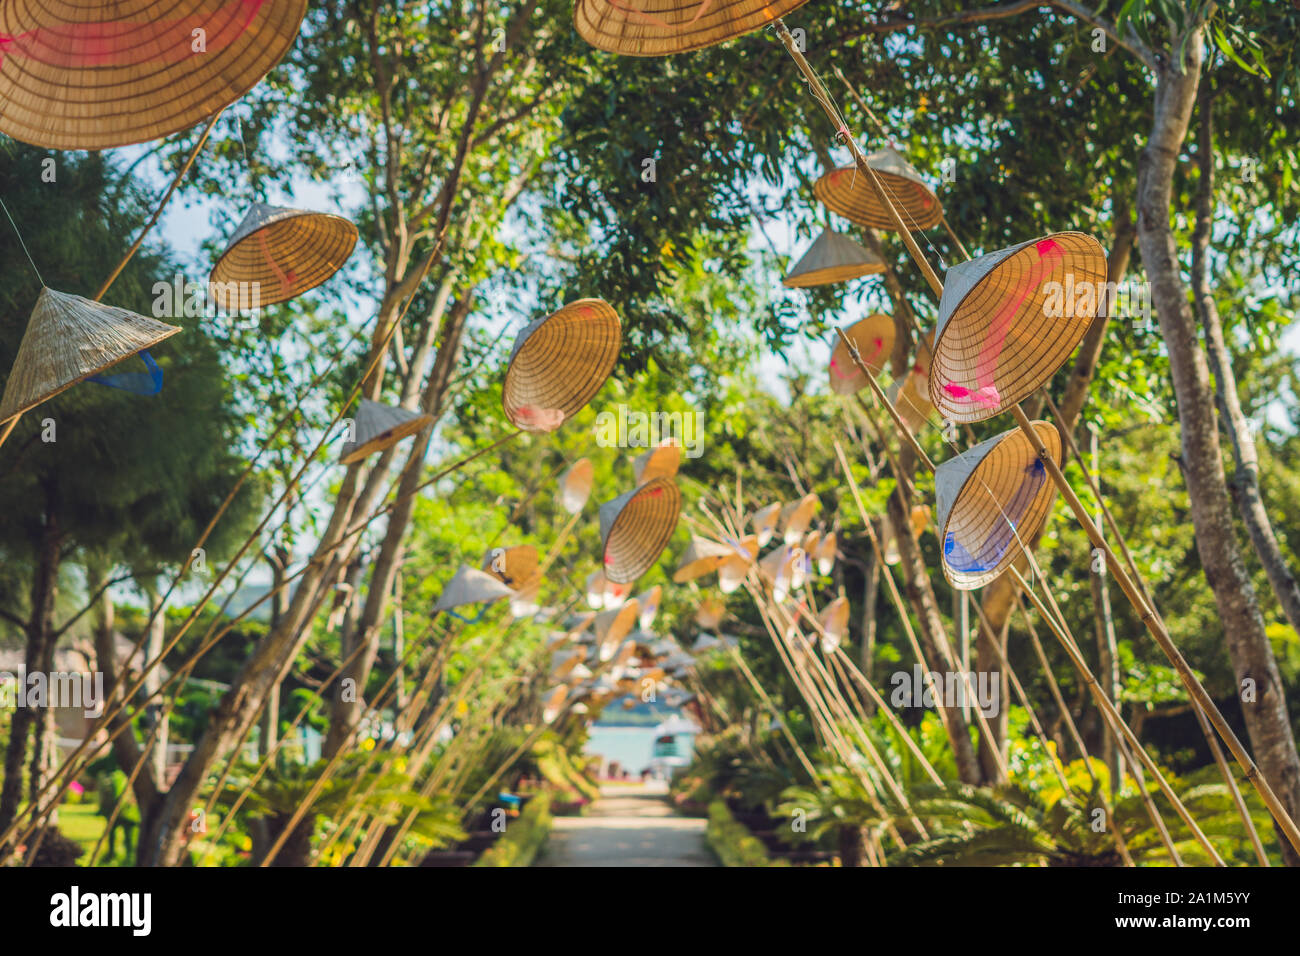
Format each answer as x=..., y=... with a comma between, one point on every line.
x=22, y=243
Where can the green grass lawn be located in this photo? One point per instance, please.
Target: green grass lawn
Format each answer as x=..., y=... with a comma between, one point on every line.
x=81, y=822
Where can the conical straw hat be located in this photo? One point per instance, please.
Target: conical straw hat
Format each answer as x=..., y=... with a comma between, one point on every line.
x=1009, y=320
x=912, y=400
x=874, y=338
x=826, y=553
x=702, y=557
x=596, y=589
x=731, y=575
x=989, y=496
x=710, y=613
x=635, y=528
x=796, y=516
x=764, y=522
x=614, y=625
x=784, y=568
x=559, y=363
x=834, y=620
x=379, y=427
x=661, y=27
x=554, y=703
x=469, y=586
x=663, y=460
x=848, y=192
x=78, y=75
x=811, y=542
x=563, y=663
x=648, y=602
x=516, y=566
x=277, y=254
x=68, y=339
x=575, y=485
x=833, y=257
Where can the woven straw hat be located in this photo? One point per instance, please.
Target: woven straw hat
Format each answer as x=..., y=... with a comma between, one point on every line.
x=554, y=703
x=874, y=338
x=912, y=400
x=1008, y=321
x=920, y=518
x=648, y=602
x=379, y=427
x=614, y=625
x=635, y=528
x=848, y=192
x=68, y=339
x=710, y=613
x=785, y=569
x=663, y=459
x=731, y=575
x=834, y=620
x=575, y=485
x=78, y=75
x=277, y=254
x=559, y=363
x=469, y=586
x=564, y=662
x=661, y=27
x=833, y=257
x=826, y=553
x=989, y=496
x=796, y=516
x=764, y=522
x=702, y=557
x=516, y=566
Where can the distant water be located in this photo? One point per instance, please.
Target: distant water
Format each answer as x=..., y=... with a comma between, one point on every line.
x=632, y=747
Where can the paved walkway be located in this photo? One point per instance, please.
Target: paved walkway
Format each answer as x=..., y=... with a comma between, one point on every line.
x=628, y=826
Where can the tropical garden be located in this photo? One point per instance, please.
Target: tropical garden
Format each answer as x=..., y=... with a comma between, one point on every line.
x=353, y=586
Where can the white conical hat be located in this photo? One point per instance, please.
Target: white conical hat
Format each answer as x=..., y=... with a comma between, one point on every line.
x=796, y=516
x=992, y=499
x=826, y=553
x=68, y=339
x=1008, y=320
x=276, y=254
x=378, y=427
x=784, y=568
x=848, y=192
x=469, y=586
x=559, y=363
x=833, y=257
x=635, y=528
x=575, y=485
x=874, y=339
x=614, y=625
x=834, y=620
x=662, y=460
x=731, y=574
x=702, y=557
x=554, y=703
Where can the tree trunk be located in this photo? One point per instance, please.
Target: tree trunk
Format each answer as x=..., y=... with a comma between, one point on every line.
x=1245, y=476
x=38, y=657
x=1266, y=716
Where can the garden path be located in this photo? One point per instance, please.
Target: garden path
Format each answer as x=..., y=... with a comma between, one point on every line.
x=628, y=826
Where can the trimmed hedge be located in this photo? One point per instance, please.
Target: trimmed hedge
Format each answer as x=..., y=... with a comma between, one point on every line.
x=524, y=835
x=732, y=843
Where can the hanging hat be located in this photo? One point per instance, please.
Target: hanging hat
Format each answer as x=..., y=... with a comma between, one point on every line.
x=575, y=486
x=796, y=516
x=579, y=623
x=635, y=528
x=826, y=554
x=848, y=192
x=559, y=363
x=731, y=575
x=662, y=460
x=378, y=427
x=563, y=663
x=834, y=620
x=524, y=603
x=764, y=522
x=811, y=542
x=554, y=703
x=580, y=672
x=614, y=625
x=516, y=567
x=661, y=27
x=874, y=338
x=624, y=653
x=702, y=557
x=648, y=602
x=469, y=586
x=68, y=339
x=596, y=589
x=785, y=569
x=1010, y=319
x=911, y=400
x=920, y=518
x=991, y=497
x=833, y=257
x=77, y=75
x=710, y=613
x=277, y=254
